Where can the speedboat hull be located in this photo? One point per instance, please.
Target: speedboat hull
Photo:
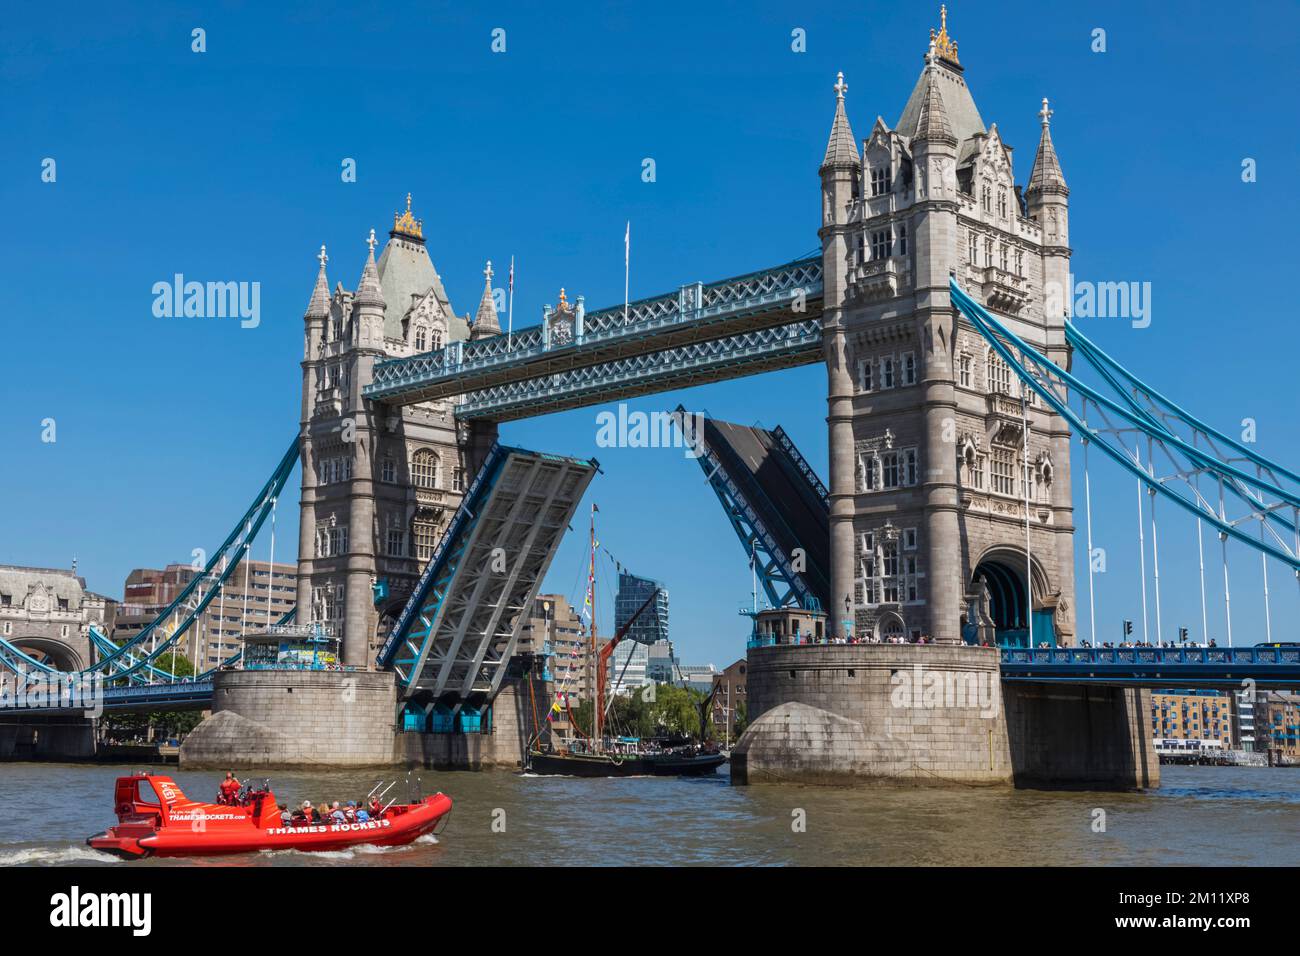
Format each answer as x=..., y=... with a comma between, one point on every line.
x=175, y=826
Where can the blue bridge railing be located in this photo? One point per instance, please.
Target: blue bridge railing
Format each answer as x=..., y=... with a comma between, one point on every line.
x=1155, y=666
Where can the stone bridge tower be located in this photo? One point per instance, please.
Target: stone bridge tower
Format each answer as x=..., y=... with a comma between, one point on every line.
x=379, y=483
x=929, y=482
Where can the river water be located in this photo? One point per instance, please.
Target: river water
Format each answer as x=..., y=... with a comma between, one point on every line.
x=1200, y=816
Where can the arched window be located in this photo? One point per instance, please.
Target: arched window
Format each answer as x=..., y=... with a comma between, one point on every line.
x=421, y=338
x=424, y=534
x=424, y=469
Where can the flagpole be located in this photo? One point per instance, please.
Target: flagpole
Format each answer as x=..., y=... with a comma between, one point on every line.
x=627, y=265
x=510, y=309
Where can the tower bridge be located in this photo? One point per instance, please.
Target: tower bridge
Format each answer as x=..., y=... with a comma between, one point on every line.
x=955, y=383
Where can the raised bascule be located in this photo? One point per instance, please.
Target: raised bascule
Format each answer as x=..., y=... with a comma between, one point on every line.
x=939, y=558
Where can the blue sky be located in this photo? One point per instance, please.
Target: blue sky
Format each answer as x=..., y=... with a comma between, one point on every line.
x=225, y=166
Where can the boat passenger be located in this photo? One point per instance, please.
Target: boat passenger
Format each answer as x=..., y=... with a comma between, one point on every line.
x=362, y=816
x=229, y=789
x=375, y=808
x=336, y=813
x=286, y=818
x=350, y=812
x=322, y=814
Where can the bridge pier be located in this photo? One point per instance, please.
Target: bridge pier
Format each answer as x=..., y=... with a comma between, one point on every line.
x=933, y=715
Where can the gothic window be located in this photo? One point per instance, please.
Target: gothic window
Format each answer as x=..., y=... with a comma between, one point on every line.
x=1002, y=202
x=999, y=374
x=972, y=247
x=889, y=572
x=396, y=543
x=887, y=372
x=336, y=328
x=988, y=252
x=421, y=338
x=909, y=368
x=909, y=539
x=859, y=244
x=964, y=370
x=435, y=339
x=425, y=533
x=1004, y=471
x=424, y=469
x=912, y=585
x=864, y=375
x=880, y=244
x=388, y=470
x=909, y=467
x=458, y=479
x=868, y=566
x=868, y=470
x=889, y=470
x=880, y=181
x=986, y=197
x=326, y=602
x=1002, y=251
x=902, y=238
x=1020, y=262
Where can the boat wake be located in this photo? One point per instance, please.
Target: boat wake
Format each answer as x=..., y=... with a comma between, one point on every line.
x=55, y=856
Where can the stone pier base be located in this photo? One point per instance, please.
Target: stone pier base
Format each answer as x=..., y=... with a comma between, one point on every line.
x=295, y=718
x=882, y=714
x=344, y=719
x=934, y=715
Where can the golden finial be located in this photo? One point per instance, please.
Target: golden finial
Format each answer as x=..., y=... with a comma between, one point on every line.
x=564, y=304
x=942, y=44
x=405, y=224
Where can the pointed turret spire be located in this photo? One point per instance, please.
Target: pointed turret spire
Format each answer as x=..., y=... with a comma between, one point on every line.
x=932, y=121
x=319, y=306
x=842, y=149
x=368, y=289
x=485, y=322
x=1046, y=175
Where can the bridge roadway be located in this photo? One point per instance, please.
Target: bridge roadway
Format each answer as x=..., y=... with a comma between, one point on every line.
x=701, y=332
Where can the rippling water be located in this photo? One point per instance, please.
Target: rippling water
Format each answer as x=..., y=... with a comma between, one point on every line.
x=1201, y=816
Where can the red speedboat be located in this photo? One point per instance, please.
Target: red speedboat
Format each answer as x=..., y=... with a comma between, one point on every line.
x=156, y=819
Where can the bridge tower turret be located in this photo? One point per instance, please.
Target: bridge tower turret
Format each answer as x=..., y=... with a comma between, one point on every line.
x=933, y=216
x=1048, y=202
x=315, y=327
x=841, y=175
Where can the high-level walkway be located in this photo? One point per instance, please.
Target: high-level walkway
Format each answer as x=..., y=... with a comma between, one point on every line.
x=701, y=332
